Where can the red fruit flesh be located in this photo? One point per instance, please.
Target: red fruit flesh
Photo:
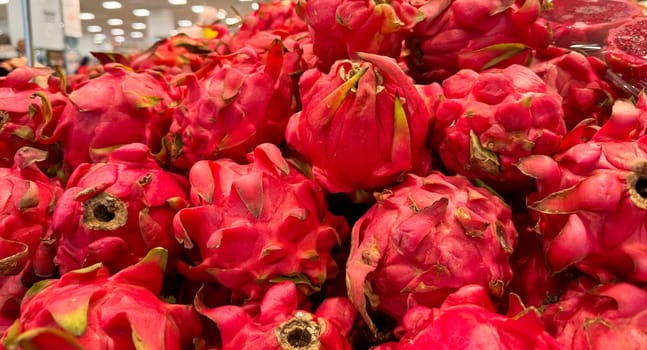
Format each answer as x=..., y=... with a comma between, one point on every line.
x=626, y=51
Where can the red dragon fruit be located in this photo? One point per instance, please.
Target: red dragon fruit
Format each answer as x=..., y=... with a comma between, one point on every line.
x=587, y=21
x=89, y=309
x=467, y=320
x=114, y=109
x=626, y=51
x=115, y=212
x=281, y=324
x=423, y=240
x=27, y=197
x=580, y=81
x=256, y=224
x=341, y=28
x=473, y=34
x=30, y=99
x=608, y=316
x=368, y=97
x=589, y=190
x=485, y=122
x=231, y=106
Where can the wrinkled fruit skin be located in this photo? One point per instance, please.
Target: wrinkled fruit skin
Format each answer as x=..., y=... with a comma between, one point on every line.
x=425, y=239
x=27, y=197
x=368, y=97
x=115, y=212
x=485, y=122
x=234, y=104
x=258, y=223
x=587, y=21
x=599, y=317
x=341, y=28
x=473, y=34
x=590, y=200
x=626, y=51
x=281, y=324
x=117, y=108
x=89, y=309
x=468, y=320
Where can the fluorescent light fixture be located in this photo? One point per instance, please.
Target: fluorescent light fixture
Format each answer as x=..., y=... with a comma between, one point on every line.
x=184, y=23
x=117, y=31
x=86, y=16
x=94, y=29
x=245, y=0
x=141, y=12
x=136, y=35
x=119, y=39
x=115, y=21
x=197, y=8
x=232, y=20
x=255, y=6
x=177, y=2
x=111, y=5
x=4, y=2
x=221, y=14
x=138, y=26
x=99, y=38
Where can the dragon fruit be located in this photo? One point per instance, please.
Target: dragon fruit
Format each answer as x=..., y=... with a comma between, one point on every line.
x=423, y=240
x=608, y=316
x=587, y=21
x=485, y=122
x=368, y=97
x=341, y=28
x=473, y=34
x=626, y=51
x=115, y=212
x=89, y=309
x=281, y=324
x=30, y=99
x=231, y=106
x=467, y=320
x=579, y=80
x=258, y=223
x=609, y=172
x=117, y=108
x=26, y=201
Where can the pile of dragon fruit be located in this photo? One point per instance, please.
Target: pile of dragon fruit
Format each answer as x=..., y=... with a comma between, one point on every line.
x=336, y=174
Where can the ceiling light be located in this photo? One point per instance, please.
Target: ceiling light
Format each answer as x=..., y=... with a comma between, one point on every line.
x=197, y=8
x=232, y=20
x=99, y=38
x=221, y=14
x=255, y=6
x=120, y=39
x=244, y=0
x=117, y=31
x=184, y=23
x=86, y=16
x=93, y=29
x=115, y=21
x=141, y=12
x=111, y=5
x=136, y=35
x=138, y=25
x=177, y=2
x=4, y=2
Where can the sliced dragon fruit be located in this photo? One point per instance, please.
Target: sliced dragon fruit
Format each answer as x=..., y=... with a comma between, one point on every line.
x=626, y=51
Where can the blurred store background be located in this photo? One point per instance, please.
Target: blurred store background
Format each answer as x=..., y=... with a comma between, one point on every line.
x=68, y=30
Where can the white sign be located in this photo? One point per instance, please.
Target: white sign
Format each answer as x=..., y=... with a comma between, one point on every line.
x=47, y=24
x=72, y=18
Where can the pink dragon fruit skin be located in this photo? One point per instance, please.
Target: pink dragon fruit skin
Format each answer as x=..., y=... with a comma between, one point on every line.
x=89, y=309
x=341, y=28
x=485, y=122
x=281, y=324
x=27, y=197
x=117, y=108
x=369, y=97
x=257, y=223
x=473, y=34
x=231, y=106
x=115, y=212
x=467, y=320
x=609, y=172
x=606, y=316
x=425, y=239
